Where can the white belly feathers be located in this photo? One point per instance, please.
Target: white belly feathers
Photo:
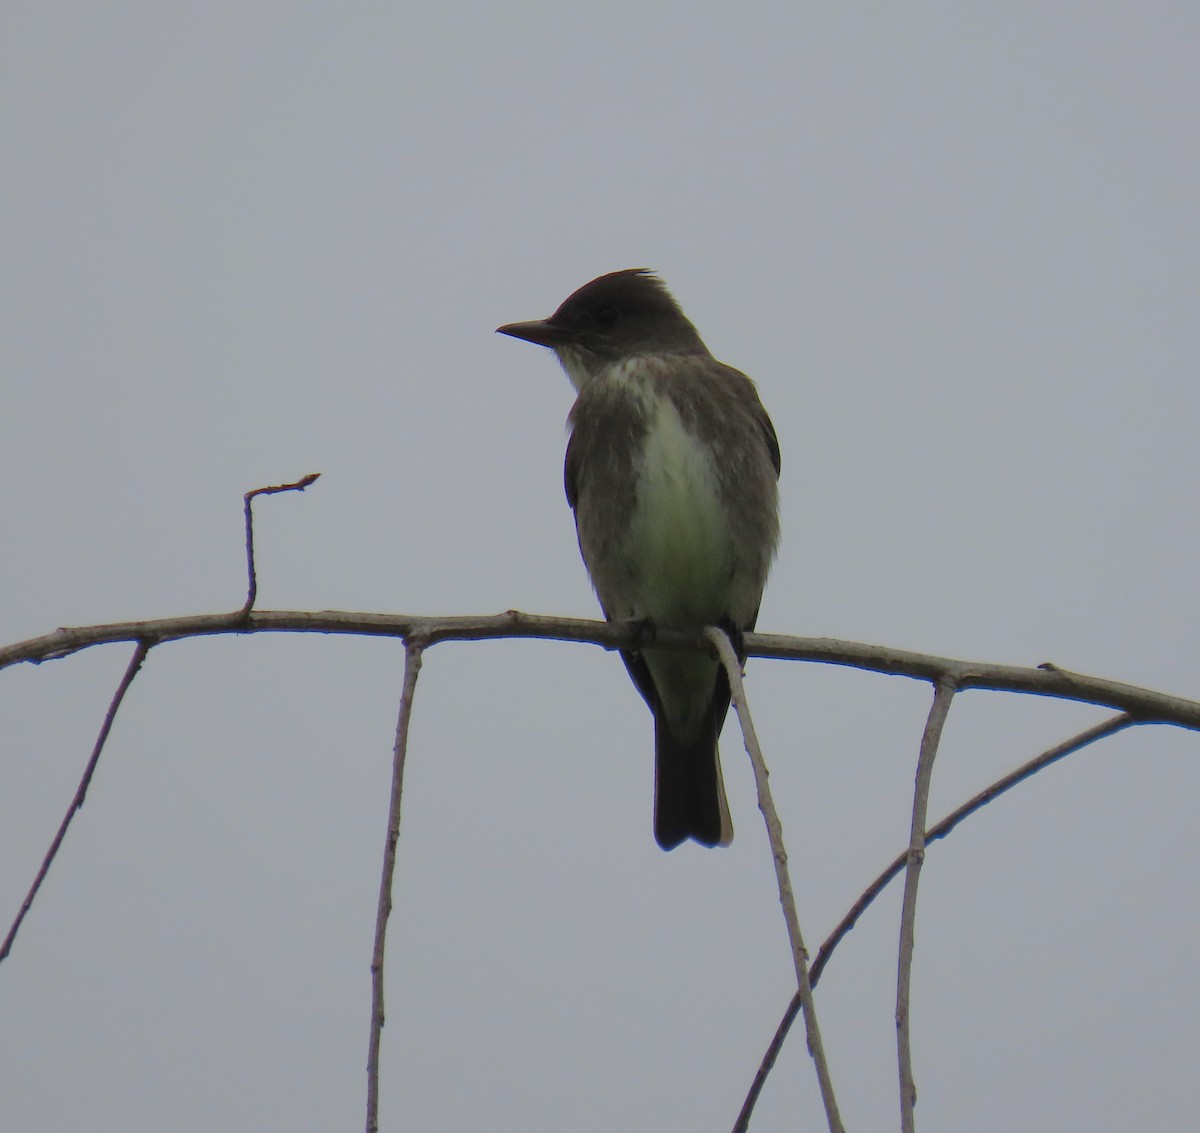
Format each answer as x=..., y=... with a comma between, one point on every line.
x=679, y=528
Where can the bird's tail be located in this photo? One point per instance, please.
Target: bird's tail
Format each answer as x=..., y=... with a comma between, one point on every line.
x=689, y=793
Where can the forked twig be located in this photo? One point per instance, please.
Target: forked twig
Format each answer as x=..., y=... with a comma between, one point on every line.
x=131, y=671
x=247, y=508
x=787, y=899
x=413, y=649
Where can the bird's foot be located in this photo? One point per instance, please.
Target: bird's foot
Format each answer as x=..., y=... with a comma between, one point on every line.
x=644, y=631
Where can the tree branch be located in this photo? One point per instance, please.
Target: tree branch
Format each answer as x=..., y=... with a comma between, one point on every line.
x=787, y=900
x=1046, y=680
x=912, y=875
x=131, y=671
x=412, y=668
x=1139, y=705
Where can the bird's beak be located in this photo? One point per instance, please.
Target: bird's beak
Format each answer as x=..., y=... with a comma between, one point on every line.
x=541, y=331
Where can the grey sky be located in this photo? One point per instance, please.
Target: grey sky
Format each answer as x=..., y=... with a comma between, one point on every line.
x=957, y=248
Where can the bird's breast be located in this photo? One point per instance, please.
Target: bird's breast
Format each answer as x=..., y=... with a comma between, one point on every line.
x=679, y=532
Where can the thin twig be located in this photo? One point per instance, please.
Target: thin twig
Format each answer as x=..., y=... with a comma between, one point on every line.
x=131, y=671
x=787, y=899
x=993, y=791
x=247, y=508
x=413, y=649
x=908, y=911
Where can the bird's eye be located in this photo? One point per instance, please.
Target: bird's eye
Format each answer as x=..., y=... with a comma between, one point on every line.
x=605, y=316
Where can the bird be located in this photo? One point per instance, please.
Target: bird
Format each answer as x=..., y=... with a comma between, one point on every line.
x=672, y=472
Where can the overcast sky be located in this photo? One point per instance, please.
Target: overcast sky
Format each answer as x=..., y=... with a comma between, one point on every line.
x=956, y=246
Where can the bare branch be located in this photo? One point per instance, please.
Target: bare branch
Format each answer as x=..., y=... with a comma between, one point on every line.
x=131, y=671
x=413, y=650
x=993, y=791
x=908, y=913
x=247, y=507
x=787, y=899
x=1139, y=705
x=1147, y=705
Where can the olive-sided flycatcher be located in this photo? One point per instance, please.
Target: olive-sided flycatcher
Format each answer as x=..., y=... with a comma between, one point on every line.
x=672, y=471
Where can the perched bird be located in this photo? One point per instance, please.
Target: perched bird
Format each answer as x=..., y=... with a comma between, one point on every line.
x=672, y=471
